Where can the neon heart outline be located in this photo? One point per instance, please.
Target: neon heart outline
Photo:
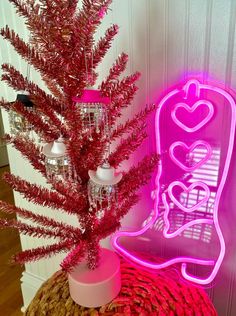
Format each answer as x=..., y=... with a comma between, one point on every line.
x=190, y=149
x=191, y=109
x=187, y=190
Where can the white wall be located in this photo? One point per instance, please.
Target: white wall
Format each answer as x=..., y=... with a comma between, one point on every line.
x=165, y=40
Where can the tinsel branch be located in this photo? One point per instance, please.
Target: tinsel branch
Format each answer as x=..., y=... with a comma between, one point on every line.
x=131, y=182
x=65, y=230
x=116, y=88
x=28, y=53
x=91, y=154
x=85, y=153
x=70, y=190
x=51, y=27
x=93, y=254
x=107, y=226
x=30, y=230
x=111, y=220
x=74, y=146
x=29, y=150
x=128, y=203
x=79, y=71
x=118, y=67
x=16, y=81
x=43, y=98
x=138, y=175
x=127, y=147
x=54, y=88
x=103, y=45
x=42, y=252
x=48, y=132
x=134, y=123
x=42, y=196
x=49, y=114
x=5, y=105
x=71, y=7
x=89, y=18
x=60, y=13
x=73, y=120
x=121, y=101
x=120, y=87
x=73, y=152
x=73, y=258
x=21, y=7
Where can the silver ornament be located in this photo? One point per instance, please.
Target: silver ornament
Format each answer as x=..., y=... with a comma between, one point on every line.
x=18, y=123
x=102, y=189
x=56, y=160
x=91, y=106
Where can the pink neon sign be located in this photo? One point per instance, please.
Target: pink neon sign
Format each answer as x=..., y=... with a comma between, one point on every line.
x=193, y=113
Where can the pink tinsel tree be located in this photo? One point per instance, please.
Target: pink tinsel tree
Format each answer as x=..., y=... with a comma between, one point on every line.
x=63, y=50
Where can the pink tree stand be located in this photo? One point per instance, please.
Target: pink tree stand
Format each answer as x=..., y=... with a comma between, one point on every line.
x=93, y=288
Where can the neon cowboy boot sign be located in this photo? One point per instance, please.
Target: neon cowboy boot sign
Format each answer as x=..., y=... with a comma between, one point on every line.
x=195, y=159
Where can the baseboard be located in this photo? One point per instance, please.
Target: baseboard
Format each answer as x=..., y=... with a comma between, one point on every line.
x=30, y=283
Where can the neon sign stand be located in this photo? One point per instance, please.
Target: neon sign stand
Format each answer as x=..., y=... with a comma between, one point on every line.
x=188, y=100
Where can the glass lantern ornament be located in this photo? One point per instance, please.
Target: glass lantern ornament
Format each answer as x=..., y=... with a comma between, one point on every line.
x=56, y=160
x=102, y=188
x=91, y=106
x=18, y=123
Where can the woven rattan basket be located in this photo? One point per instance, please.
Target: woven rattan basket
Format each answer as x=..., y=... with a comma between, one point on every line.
x=142, y=293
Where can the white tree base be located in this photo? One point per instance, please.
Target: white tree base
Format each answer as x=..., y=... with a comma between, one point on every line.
x=93, y=288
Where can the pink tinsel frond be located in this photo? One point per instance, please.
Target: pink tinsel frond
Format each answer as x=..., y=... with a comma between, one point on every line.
x=29, y=150
x=66, y=230
x=111, y=220
x=5, y=105
x=21, y=7
x=116, y=70
x=31, y=230
x=134, y=123
x=73, y=258
x=127, y=147
x=103, y=45
x=138, y=175
x=43, y=196
x=93, y=254
x=42, y=252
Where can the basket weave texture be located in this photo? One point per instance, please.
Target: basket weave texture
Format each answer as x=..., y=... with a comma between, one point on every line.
x=143, y=293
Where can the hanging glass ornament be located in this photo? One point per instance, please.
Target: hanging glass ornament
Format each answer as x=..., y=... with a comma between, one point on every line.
x=18, y=123
x=56, y=160
x=102, y=188
x=91, y=107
